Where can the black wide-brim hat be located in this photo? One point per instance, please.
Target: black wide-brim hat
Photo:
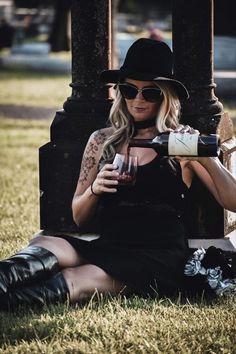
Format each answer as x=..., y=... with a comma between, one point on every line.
x=147, y=60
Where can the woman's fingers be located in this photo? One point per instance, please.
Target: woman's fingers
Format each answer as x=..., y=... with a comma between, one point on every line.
x=108, y=177
x=178, y=128
x=103, y=185
x=108, y=167
x=108, y=174
x=186, y=129
x=106, y=180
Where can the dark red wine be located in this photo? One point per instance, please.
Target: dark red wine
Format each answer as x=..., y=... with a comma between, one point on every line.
x=126, y=167
x=181, y=144
x=125, y=179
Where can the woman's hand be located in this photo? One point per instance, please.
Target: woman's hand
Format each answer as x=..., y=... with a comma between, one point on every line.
x=106, y=180
x=185, y=129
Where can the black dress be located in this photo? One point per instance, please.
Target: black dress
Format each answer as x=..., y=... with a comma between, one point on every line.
x=142, y=240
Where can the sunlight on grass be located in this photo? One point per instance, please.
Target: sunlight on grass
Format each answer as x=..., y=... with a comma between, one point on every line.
x=122, y=326
x=34, y=89
x=19, y=210
x=51, y=90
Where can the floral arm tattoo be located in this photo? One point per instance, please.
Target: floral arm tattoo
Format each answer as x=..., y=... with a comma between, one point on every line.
x=89, y=159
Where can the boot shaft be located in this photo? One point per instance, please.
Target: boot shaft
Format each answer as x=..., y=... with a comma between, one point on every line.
x=27, y=265
x=51, y=291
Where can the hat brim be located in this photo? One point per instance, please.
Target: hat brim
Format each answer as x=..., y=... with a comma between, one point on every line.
x=114, y=76
x=179, y=88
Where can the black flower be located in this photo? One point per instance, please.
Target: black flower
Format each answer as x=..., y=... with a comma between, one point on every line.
x=216, y=257
x=214, y=276
x=193, y=265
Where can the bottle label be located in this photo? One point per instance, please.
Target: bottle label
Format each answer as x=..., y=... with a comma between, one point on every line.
x=183, y=144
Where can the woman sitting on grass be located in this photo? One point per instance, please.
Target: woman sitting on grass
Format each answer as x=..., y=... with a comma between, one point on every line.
x=142, y=248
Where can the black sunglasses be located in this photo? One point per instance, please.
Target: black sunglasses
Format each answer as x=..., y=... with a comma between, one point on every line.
x=150, y=94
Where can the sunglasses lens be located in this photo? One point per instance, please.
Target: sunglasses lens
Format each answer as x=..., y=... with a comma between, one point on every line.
x=128, y=92
x=151, y=94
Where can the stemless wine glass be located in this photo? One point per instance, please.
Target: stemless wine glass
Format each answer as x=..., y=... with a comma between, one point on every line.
x=127, y=167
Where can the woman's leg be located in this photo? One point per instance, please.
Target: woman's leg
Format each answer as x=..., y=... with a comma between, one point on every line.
x=40, y=260
x=83, y=281
x=72, y=285
x=50, y=291
x=65, y=253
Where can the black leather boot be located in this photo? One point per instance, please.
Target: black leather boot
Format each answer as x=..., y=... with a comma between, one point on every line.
x=50, y=291
x=27, y=265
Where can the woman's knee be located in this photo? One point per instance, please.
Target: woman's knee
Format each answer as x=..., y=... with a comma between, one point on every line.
x=49, y=242
x=65, y=253
x=39, y=240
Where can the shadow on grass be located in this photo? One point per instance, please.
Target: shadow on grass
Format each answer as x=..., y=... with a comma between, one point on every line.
x=56, y=321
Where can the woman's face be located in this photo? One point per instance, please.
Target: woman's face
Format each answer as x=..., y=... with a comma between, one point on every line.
x=139, y=108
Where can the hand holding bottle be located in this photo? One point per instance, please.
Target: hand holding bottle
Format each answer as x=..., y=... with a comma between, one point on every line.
x=185, y=129
x=199, y=157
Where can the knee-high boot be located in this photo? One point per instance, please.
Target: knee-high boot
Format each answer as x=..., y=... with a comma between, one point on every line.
x=27, y=265
x=51, y=291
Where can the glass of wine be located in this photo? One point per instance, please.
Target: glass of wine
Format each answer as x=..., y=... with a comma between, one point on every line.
x=127, y=167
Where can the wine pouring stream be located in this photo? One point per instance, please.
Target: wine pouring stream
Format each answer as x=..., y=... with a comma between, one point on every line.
x=178, y=144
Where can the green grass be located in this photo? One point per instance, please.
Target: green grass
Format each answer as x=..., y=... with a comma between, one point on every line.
x=123, y=326
x=29, y=88
x=103, y=325
x=34, y=89
x=19, y=143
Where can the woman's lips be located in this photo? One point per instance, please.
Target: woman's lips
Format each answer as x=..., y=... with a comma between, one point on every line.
x=139, y=108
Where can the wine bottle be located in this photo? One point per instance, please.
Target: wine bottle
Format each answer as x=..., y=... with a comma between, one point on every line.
x=181, y=144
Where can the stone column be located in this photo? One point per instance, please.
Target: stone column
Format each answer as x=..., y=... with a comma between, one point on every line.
x=193, y=64
x=84, y=111
x=88, y=106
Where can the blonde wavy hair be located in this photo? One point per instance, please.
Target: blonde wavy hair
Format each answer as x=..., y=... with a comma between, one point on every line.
x=120, y=119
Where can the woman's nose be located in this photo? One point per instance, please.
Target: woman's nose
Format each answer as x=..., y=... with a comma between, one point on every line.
x=139, y=95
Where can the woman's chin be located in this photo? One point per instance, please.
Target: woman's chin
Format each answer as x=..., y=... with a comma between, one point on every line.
x=141, y=116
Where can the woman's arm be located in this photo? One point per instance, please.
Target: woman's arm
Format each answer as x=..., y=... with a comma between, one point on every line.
x=217, y=179
x=84, y=202
x=220, y=182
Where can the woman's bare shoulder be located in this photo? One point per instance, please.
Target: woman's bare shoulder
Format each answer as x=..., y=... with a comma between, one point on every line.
x=101, y=135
